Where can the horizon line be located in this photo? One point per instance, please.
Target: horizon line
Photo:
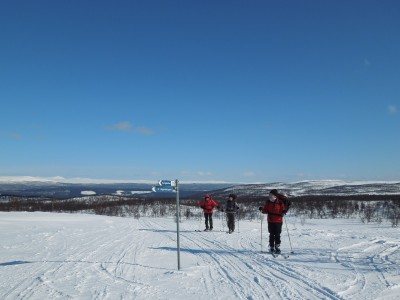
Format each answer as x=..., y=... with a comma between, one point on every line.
x=79, y=180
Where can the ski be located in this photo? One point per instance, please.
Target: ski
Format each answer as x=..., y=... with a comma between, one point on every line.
x=275, y=255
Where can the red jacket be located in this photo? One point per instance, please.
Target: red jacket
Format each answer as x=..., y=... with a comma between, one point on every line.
x=208, y=205
x=274, y=210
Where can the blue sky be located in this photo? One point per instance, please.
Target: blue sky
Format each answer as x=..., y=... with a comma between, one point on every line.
x=237, y=91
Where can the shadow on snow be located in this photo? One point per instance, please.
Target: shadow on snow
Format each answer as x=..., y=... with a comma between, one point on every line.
x=207, y=251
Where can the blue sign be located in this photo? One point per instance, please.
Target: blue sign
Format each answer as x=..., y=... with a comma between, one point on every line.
x=164, y=189
x=166, y=183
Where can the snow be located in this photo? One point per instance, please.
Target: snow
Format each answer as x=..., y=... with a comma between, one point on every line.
x=139, y=192
x=78, y=256
x=88, y=193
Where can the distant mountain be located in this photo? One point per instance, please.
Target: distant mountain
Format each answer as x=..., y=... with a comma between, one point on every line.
x=61, y=188
x=322, y=187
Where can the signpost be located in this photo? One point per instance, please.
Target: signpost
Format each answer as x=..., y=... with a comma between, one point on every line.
x=172, y=186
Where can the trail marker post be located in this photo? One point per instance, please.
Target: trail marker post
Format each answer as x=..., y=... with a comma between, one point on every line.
x=172, y=186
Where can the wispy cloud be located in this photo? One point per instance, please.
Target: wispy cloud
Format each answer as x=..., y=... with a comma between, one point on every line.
x=197, y=173
x=249, y=174
x=200, y=173
x=392, y=109
x=144, y=130
x=121, y=126
x=11, y=135
x=127, y=126
x=367, y=63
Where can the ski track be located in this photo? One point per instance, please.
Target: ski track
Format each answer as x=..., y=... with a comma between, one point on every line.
x=259, y=275
x=76, y=263
x=374, y=254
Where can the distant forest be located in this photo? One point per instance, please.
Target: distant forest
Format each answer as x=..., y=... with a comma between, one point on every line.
x=369, y=208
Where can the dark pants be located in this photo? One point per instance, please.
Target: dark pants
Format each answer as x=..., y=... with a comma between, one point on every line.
x=274, y=230
x=209, y=221
x=230, y=219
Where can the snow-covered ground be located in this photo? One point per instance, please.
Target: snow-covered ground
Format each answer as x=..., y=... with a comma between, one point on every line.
x=78, y=256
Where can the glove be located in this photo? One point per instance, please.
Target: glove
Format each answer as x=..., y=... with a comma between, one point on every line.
x=202, y=207
x=284, y=212
x=222, y=209
x=260, y=208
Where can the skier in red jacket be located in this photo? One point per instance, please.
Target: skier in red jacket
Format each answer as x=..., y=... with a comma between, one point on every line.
x=208, y=206
x=275, y=207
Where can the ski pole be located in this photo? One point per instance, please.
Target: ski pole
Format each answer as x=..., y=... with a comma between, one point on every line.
x=238, y=218
x=290, y=242
x=201, y=219
x=261, y=232
x=224, y=217
x=221, y=216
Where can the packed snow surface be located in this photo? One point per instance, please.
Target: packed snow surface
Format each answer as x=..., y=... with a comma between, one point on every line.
x=88, y=193
x=78, y=256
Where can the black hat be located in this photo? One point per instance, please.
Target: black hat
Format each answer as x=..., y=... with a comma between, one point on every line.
x=232, y=196
x=274, y=192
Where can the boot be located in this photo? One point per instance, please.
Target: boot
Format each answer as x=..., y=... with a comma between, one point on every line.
x=271, y=249
x=277, y=248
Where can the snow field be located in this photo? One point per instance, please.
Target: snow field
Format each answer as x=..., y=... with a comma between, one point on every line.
x=78, y=256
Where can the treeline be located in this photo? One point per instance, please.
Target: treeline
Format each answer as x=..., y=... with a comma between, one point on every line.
x=369, y=208
x=101, y=205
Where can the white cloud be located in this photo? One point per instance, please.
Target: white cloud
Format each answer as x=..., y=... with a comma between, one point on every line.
x=392, y=109
x=144, y=130
x=249, y=174
x=121, y=126
x=11, y=135
x=127, y=126
x=200, y=173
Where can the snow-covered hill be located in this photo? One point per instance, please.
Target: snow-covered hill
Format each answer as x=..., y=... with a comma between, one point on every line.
x=68, y=188
x=321, y=187
x=59, y=187
x=77, y=256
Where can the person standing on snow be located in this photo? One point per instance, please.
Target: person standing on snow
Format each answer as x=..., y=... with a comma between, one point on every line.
x=231, y=208
x=275, y=207
x=208, y=206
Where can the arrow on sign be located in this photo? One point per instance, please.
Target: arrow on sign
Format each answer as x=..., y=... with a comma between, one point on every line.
x=166, y=183
x=166, y=189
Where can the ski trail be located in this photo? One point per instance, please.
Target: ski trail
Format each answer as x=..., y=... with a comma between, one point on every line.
x=222, y=268
x=225, y=261
x=289, y=278
x=371, y=255
x=263, y=272
x=96, y=257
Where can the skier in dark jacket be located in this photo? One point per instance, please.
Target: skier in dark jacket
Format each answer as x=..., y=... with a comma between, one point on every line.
x=230, y=209
x=208, y=206
x=275, y=207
